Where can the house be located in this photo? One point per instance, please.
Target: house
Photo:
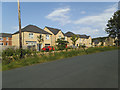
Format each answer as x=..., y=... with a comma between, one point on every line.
x=29, y=37
x=109, y=41
x=103, y=41
x=68, y=36
x=56, y=34
x=85, y=40
x=97, y=43
x=5, y=39
x=82, y=39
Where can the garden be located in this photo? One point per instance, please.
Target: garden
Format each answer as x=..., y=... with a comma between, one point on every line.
x=11, y=57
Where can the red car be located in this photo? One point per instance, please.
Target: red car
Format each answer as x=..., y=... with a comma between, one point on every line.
x=48, y=48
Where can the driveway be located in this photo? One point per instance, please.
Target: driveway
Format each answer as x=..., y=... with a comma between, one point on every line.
x=98, y=70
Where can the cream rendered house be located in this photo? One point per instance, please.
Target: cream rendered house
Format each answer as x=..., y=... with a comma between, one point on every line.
x=85, y=40
x=82, y=39
x=29, y=37
x=68, y=36
x=56, y=34
x=109, y=41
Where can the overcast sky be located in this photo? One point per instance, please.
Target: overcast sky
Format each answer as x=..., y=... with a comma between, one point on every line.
x=88, y=18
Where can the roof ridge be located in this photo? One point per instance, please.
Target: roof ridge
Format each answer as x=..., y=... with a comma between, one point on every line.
x=52, y=27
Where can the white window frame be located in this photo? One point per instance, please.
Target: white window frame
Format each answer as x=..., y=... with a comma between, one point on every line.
x=1, y=39
x=59, y=36
x=6, y=43
x=47, y=36
x=7, y=38
x=1, y=43
x=31, y=35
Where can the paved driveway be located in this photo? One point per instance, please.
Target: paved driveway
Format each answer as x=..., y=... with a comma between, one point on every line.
x=98, y=70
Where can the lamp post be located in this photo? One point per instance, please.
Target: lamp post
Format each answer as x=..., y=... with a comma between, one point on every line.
x=20, y=37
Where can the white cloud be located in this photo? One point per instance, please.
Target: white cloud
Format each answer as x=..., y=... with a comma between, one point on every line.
x=88, y=31
x=82, y=12
x=96, y=22
x=60, y=15
x=15, y=27
x=91, y=25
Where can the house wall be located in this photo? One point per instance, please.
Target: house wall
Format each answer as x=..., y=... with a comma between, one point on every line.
x=81, y=41
x=4, y=41
x=109, y=41
x=57, y=36
x=54, y=37
x=25, y=38
x=70, y=41
x=98, y=44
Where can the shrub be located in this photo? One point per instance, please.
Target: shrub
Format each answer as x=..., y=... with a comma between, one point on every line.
x=11, y=54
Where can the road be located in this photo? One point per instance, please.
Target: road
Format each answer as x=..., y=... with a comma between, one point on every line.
x=98, y=70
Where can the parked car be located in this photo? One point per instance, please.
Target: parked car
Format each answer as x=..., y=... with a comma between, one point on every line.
x=48, y=48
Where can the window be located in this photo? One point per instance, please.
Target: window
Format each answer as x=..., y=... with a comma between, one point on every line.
x=7, y=38
x=30, y=35
x=65, y=38
x=31, y=42
x=6, y=43
x=80, y=39
x=59, y=37
x=47, y=44
x=47, y=36
x=1, y=43
x=1, y=38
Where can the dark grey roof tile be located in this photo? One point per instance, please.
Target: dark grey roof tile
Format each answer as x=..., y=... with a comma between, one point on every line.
x=32, y=28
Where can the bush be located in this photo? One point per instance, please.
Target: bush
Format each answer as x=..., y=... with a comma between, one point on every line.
x=11, y=54
x=50, y=57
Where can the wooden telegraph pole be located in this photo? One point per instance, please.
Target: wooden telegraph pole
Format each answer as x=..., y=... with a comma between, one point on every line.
x=20, y=37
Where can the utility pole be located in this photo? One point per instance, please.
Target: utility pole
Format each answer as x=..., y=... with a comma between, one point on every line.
x=20, y=37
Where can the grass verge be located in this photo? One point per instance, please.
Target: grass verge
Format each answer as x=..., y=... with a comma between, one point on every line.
x=53, y=56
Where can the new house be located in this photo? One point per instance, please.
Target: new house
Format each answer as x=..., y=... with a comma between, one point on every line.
x=82, y=39
x=56, y=34
x=110, y=41
x=103, y=41
x=30, y=35
x=85, y=40
x=5, y=39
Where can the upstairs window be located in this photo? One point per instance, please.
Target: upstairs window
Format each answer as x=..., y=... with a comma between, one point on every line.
x=47, y=36
x=80, y=40
x=1, y=38
x=6, y=43
x=65, y=38
x=7, y=38
x=31, y=35
x=59, y=37
x=1, y=44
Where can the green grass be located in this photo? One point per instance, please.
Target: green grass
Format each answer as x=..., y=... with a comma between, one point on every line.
x=53, y=56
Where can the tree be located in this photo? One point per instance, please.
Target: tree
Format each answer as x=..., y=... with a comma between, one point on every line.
x=113, y=26
x=74, y=38
x=61, y=43
x=40, y=40
x=83, y=46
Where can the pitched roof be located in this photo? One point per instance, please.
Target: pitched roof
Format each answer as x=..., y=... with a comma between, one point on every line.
x=54, y=30
x=5, y=35
x=32, y=28
x=69, y=34
x=99, y=39
x=83, y=36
